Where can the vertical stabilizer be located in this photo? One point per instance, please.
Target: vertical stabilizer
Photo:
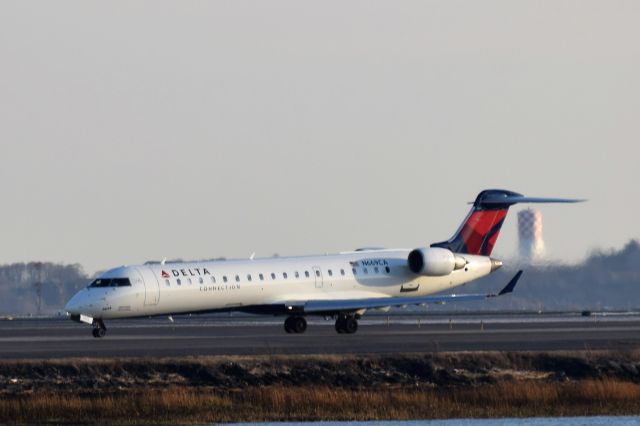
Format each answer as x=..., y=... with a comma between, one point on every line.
x=480, y=229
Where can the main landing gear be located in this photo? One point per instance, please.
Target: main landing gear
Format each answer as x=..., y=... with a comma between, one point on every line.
x=346, y=324
x=297, y=325
x=99, y=329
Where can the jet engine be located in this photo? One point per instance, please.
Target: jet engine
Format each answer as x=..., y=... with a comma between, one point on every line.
x=434, y=261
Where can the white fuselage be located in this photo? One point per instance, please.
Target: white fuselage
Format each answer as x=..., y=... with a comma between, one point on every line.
x=174, y=288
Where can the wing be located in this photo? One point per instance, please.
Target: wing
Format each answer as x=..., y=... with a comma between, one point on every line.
x=352, y=305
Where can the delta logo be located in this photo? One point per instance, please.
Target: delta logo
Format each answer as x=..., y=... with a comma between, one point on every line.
x=190, y=272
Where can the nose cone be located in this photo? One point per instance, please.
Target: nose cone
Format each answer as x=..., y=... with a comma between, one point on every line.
x=495, y=264
x=73, y=306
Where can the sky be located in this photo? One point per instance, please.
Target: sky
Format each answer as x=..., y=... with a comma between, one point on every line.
x=137, y=130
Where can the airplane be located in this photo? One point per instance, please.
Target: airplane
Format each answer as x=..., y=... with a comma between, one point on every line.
x=340, y=286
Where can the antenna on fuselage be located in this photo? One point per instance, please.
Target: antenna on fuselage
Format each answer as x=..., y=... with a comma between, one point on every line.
x=253, y=255
x=164, y=260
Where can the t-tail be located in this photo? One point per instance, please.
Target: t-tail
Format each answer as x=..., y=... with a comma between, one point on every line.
x=480, y=229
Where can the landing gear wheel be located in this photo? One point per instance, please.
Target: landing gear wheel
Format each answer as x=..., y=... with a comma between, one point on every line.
x=295, y=325
x=346, y=324
x=299, y=325
x=99, y=329
x=350, y=325
x=287, y=325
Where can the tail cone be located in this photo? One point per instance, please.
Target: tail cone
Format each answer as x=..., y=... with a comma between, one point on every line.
x=495, y=264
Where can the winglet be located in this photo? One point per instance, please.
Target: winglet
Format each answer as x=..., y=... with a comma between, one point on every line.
x=512, y=284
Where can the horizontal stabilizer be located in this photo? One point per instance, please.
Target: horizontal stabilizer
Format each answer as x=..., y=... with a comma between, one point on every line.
x=510, y=200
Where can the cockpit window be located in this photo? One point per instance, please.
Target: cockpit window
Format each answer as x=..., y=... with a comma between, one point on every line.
x=101, y=282
x=111, y=282
x=120, y=282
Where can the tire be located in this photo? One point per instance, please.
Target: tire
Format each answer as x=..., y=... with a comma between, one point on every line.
x=340, y=326
x=287, y=326
x=99, y=332
x=299, y=325
x=350, y=325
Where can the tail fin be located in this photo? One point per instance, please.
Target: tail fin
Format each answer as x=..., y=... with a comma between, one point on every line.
x=479, y=231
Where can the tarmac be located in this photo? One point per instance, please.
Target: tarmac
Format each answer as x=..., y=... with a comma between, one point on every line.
x=51, y=338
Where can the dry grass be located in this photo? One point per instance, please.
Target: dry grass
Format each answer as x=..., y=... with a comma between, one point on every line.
x=193, y=405
x=276, y=388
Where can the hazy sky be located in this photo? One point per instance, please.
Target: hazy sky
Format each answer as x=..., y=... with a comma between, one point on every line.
x=136, y=130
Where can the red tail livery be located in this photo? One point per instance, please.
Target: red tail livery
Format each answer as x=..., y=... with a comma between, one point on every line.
x=479, y=231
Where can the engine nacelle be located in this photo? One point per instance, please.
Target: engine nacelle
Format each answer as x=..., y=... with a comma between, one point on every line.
x=434, y=261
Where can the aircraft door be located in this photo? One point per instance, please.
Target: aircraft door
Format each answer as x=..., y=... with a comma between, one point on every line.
x=317, y=274
x=151, y=286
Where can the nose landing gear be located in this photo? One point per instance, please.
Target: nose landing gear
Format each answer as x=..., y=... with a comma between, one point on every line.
x=297, y=325
x=99, y=329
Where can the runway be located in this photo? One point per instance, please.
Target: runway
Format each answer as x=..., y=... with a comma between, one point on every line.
x=249, y=335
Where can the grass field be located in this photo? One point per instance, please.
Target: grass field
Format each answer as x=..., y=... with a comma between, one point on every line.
x=413, y=386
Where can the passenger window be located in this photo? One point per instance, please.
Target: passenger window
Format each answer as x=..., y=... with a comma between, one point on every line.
x=342, y=272
x=297, y=274
x=306, y=274
x=387, y=269
x=200, y=280
x=224, y=278
x=365, y=270
x=376, y=270
x=237, y=278
x=213, y=279
x=178, y=281
x=284, y=275
x=261, y=277
x=354, y=271
x=167, y=282
x=317, y=273
x=189, y=281
x=273, y=276
x=248, y=277
x=330, y=273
